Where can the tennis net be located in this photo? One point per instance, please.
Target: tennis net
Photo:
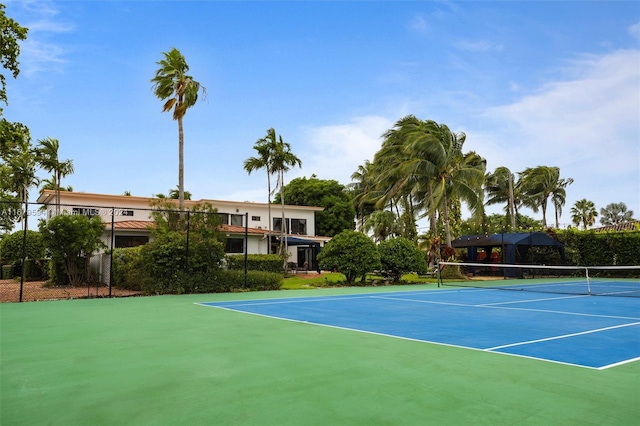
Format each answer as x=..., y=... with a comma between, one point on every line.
x=622, y=281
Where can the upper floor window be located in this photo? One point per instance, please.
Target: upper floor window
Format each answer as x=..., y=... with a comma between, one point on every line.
x=299, y=226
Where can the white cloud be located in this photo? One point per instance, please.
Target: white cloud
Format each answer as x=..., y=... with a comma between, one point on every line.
x=336, y=151
x=588, y=125
x=418, y=25
x=38, y=53
x=634, y=30
x=478, y=46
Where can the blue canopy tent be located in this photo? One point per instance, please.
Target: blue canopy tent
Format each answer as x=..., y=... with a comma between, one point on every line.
x=296, y=241
x=515, y=247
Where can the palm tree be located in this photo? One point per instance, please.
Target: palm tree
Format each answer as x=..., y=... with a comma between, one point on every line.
x=559, y=198
x=499, y=187
x=584, y=212
x=47, y=157
x=538, y=184
x=276, y=157
x=615, y=213
x=171, y=83
x=451, y=174
x=282, y=160
x=22, y=166
x=263, y=147
x=383, y=223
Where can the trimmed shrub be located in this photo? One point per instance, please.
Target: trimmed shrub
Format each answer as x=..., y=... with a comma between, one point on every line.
x=351, y=253
x=167, y=255
x=255, y=262
x=128, y=271
x=399, y=256
x=217, y=282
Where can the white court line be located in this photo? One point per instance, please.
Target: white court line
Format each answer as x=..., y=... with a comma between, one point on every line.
x=564, y=336
x=488, y=306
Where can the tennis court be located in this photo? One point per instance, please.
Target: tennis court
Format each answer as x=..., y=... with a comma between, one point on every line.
x=593, y=332
x=168, y=360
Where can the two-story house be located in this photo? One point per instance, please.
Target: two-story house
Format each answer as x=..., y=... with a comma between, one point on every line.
x=246, y=224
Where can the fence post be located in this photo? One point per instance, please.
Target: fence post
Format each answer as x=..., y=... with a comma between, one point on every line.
x=186, y=266
x=113, y=231
x=24, y=246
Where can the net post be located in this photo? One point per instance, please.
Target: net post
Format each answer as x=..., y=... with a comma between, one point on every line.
x=586, y=273
x=438, y=273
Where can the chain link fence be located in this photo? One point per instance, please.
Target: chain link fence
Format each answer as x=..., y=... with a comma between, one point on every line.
x=27, y=270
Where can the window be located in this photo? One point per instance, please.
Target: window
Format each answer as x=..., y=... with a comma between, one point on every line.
x=255, y=218
x=299, y=226
x=236, y=219
x=277, y=224
x=224, y=218
x=234, y=245
x=130, y=241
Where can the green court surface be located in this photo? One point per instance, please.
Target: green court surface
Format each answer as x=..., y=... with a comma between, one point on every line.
x=167, y=361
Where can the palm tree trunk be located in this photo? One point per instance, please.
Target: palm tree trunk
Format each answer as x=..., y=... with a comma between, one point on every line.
x=180, y=165
x=269, y=209
x=447, y=228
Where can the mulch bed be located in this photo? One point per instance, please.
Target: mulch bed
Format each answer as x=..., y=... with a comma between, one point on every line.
x=36, y=290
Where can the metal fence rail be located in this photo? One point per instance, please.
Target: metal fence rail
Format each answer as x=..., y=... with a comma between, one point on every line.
x=28, y=279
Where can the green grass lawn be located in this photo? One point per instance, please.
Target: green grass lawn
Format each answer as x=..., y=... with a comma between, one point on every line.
x=313, y=280
x=166, y=361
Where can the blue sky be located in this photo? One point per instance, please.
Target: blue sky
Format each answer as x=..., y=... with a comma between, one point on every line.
x=530, y=83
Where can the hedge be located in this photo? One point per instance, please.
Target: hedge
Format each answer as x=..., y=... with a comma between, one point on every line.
x=255, y=262
x=589, y=248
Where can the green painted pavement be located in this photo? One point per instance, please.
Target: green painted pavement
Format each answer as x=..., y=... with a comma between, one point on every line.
x=166, y=361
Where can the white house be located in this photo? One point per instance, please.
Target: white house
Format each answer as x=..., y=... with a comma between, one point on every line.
x=128, y=219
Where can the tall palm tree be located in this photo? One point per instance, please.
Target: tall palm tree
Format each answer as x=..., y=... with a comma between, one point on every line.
x=538, y=184
x=276, y=157
x=499, y=187
x=584, y=212
x=22, y=166
x=362, y=189
x=282, y=160
x=559, y=198
x=47, y=157
x=264, y=147
x=180, y=92
x=452, y=175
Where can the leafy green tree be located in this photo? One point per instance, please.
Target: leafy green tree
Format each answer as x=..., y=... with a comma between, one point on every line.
x=180, y=91
x=14, y=141
x=191, y=242
x=10, y=33
x=71, y=240
x=47, y=157
x=584, y=212
x=351, y=253
x=615, y=213
x=399, y=256
x=338, y=213
x=11, y=246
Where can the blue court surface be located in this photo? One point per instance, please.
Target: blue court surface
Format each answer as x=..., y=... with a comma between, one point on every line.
x=587, y=331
